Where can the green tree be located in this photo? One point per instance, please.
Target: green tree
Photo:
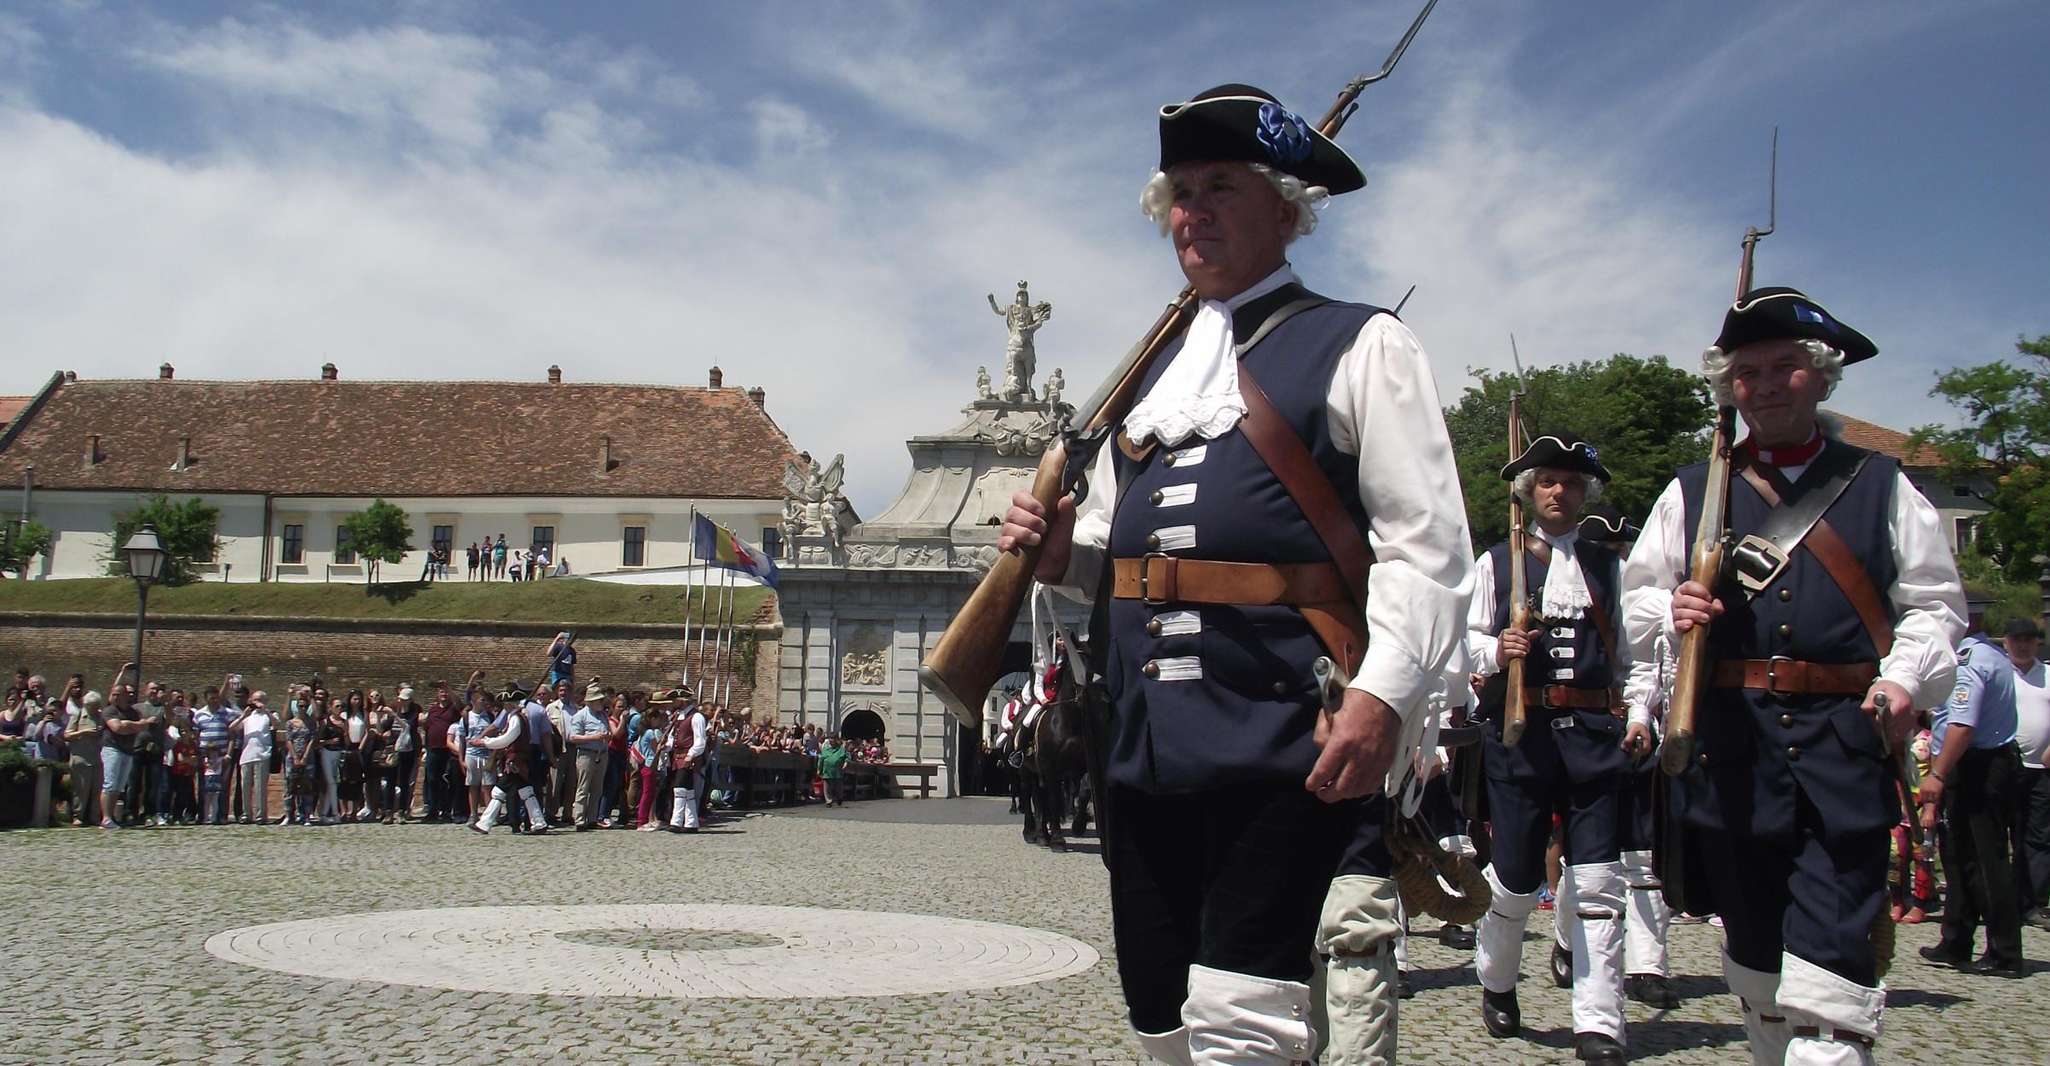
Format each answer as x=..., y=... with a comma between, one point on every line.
x=1646, y=418
x=380, y=534
x=2005, y=439
x=188, y=531
x=21, y=542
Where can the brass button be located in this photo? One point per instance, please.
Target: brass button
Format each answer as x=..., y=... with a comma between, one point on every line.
x=1787, y=720
x=1167, y=459
x=1151, y=669
x=1786, y=594
x=1153, y=542
x=1793, y=754
x=1153, y=627
x=1786, y=630
x=1702, y=758
x=1281, y=688
x=1156, y=497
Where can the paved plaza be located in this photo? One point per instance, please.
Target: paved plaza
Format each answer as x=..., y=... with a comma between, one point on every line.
x=429, y=943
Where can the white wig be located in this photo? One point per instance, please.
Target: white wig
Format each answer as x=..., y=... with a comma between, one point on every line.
x=1525, y=484
x=1716, y=365
x=1158, y=196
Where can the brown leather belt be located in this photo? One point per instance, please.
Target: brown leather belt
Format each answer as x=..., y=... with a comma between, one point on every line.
x=1791, y=677
x=1579, y=699
x=1167, y=579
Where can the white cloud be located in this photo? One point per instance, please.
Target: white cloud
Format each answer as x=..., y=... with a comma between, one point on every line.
x=786, y=130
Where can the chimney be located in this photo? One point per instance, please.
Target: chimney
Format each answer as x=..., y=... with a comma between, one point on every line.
x=71, y=375
x=92, y=449
x=164, y=372
x=718, y=377
x=555, y=375
x=329, y=373
x=184, y=452
x=604, y=455
x=760, y=396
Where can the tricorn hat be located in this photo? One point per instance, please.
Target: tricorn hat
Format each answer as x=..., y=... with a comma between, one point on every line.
x=1606, y=525
x=1560, y=451
x=670, y=697
x=1778, y=312
x=1248, y=125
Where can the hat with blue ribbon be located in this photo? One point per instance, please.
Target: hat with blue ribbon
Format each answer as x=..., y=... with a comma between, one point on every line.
x=1240, y=123
x=1777, y=312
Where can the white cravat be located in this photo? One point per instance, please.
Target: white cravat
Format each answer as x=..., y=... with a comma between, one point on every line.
x=1565, y=595
x=1198, y=393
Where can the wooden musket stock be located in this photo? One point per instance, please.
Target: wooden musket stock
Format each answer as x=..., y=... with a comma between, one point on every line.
x=1515, y=709
x=1692, y=667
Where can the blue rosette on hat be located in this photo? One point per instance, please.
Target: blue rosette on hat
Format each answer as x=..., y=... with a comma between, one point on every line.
x=1777, y=312
x=1241, y=123
x=1559, y=451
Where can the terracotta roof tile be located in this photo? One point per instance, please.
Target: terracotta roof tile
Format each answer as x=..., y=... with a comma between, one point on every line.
x=1888, y=442
x=11, y=406
x=403, y=438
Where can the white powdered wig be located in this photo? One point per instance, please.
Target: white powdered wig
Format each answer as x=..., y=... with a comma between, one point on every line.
x=1158, y=196
x=1526, y=482
x=1716, y=363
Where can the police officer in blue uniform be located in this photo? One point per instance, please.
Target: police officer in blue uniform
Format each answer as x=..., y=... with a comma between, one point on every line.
x=1835, y=623
x=1217, y=585
x=1570, y=760
x=1974, y=765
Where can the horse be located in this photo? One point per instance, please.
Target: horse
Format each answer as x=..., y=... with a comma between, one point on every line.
x=1060, y=771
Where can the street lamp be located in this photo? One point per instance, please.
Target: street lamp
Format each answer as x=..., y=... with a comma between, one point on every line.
x=145, y=562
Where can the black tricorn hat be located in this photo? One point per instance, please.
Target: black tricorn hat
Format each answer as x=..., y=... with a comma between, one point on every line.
x=1562, y=451
x=1248, y=125
x=1778, y=312
x=1606, y=525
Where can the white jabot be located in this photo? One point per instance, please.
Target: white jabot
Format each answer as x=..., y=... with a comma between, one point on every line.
x=1565, y=595
x=1198, y=394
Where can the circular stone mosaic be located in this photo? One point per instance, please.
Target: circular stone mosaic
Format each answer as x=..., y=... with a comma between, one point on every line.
x=669, y=950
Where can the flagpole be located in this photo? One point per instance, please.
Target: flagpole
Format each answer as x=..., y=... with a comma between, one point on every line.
x=725, y=639
x=690, y=560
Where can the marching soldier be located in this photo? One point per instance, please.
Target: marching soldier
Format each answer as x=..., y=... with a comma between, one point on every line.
x=508, y=742
x=1835, y=623
x=1223, y=540
x=1647, y=975
x=1570, y=759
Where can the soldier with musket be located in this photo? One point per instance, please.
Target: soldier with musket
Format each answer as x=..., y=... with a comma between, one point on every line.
x=1647, y=974
x=1231, y=790
x=1570, y=759
x=512, y=751
x=1834, y=623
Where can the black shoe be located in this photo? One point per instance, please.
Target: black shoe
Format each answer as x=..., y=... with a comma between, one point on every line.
x=583, y=828
x=1403, y=989
x=1990, y=965
x=1943, y=956
x=1456, y=937
x=1562, y=966
x=1596, y=1047
x=1500, y=1013
x=2040, y=919
x=1652, y=990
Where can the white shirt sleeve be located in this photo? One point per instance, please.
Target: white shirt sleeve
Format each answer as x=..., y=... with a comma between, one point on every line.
x=1480, y=618
x=513, y=724
x=698, y=739
x=1092, y=528
x=1657, y=566
x=1929, y=597
x=1383, y=407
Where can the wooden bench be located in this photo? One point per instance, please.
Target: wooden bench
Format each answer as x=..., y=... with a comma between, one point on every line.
x=924, y=771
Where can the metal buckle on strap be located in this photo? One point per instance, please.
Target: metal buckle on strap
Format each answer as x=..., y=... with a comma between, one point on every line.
x=1756, y=562
x=1145, y=574
x=1772, y=676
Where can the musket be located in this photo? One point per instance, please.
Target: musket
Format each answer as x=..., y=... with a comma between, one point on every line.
x=1711, y=537
x=1515, y=709
x=968, y=659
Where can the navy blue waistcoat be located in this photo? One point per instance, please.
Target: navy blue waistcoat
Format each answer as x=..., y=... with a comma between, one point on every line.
x=1251, y=715
x=1757, y=748
x=1558, y=744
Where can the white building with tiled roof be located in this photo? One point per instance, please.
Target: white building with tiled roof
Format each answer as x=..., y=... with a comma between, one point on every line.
x=605, y=476
x=1962, y=503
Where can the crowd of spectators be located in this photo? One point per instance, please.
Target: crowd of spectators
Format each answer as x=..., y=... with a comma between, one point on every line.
x=155, y=754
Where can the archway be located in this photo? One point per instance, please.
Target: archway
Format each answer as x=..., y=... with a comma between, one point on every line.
x=861, y=723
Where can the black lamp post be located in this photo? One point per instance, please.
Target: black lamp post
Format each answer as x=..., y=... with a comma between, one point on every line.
x=145, y=563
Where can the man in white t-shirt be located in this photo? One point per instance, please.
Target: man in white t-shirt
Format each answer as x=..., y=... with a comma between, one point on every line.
x=2032, y=796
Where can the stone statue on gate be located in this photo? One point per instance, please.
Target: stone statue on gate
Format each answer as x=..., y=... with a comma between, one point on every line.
x=1023, y=318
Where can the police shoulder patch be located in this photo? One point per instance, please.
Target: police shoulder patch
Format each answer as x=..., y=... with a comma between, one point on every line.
x=1962, y=697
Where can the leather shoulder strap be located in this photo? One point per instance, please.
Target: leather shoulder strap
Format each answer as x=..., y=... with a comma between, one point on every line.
x=1829, y=548
x=1290, y=460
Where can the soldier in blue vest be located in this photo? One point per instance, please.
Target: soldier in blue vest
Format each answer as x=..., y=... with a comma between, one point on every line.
x=1834, y=624
x=1570, y=760
x=1973, y=767
x=1231, y=792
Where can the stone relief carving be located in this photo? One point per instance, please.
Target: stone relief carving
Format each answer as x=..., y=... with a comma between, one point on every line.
x=982, y=389
x=871, y=555
x=870, y=670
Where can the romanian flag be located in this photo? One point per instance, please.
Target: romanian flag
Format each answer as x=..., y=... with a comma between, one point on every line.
x=721, y=547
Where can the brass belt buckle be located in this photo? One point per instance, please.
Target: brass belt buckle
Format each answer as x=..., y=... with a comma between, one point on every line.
x=1772, y=675
x=1145, y=586
x=1756, y=563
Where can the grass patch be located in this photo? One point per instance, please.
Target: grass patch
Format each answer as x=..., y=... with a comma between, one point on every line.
x=568, y=601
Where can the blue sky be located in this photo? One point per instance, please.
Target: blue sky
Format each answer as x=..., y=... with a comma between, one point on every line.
x=816, y=197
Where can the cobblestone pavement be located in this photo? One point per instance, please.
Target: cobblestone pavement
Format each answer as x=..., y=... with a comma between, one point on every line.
x=106, y=961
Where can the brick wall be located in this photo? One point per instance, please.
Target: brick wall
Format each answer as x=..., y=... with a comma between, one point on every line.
x=196, y=651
